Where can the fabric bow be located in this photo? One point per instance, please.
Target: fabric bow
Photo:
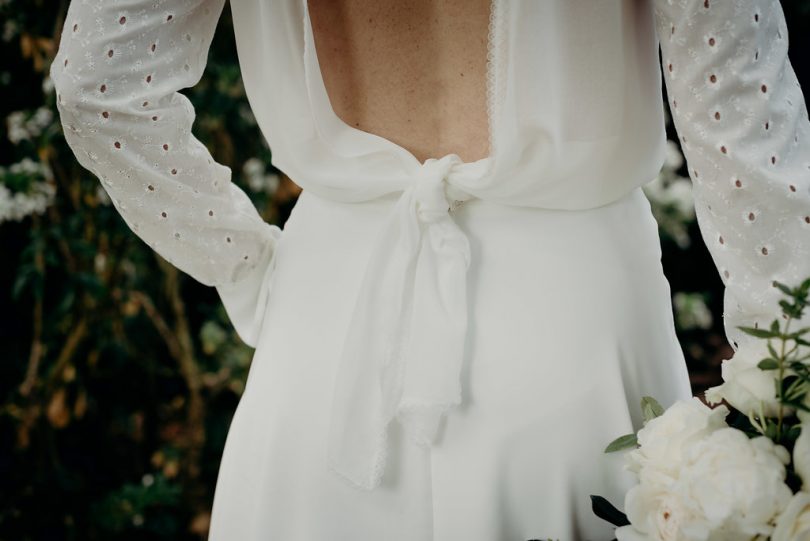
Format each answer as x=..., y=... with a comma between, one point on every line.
x=405, y=343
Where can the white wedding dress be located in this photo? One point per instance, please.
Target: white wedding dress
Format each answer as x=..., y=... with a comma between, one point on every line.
x=430, y=370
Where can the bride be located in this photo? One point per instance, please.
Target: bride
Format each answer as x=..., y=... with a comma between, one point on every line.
x=467, y=302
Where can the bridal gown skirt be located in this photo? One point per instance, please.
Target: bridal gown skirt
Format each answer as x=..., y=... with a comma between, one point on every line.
x=570, y=324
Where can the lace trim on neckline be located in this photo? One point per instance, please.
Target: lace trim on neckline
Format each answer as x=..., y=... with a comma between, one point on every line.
x=495, y=69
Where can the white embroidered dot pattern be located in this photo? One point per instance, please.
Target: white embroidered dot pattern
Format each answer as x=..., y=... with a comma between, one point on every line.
x=742, y=111
x=132, y=128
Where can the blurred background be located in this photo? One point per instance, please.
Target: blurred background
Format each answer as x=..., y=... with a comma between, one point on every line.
x=119, y=373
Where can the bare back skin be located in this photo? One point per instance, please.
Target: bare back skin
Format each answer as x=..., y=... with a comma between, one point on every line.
x=412, y=71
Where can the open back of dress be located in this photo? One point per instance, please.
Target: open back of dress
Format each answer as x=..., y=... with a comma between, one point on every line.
x=413, y=72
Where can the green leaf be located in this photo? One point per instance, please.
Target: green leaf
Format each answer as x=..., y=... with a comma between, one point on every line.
x=622, y=442
x=790, y=310
x=740, y=421
x=775, y=326
x=606, y=511
x=772, y=350
x=783, y=288
x=793, y=432
x=796, y=387
x=650, y=408
x=759, y=333
x=20, y=282
x=770, y=430
x=768, y=364
x=799, y=332
x=803, y=375
x=796, y=404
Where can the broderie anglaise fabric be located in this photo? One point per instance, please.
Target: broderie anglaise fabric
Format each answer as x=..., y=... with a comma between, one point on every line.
x=117, y=74
x=743, y=125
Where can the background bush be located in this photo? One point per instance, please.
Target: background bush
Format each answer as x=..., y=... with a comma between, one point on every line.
x=120, y=374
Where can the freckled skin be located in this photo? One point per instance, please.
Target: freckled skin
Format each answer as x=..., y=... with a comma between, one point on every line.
x=412, y=71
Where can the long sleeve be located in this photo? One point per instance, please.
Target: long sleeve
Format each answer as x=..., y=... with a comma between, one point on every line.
x=742, y=121
x=117, y=74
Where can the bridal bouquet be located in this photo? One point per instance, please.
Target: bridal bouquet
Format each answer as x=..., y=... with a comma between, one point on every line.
x=727, y=473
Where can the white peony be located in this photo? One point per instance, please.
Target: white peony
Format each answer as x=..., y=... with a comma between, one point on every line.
x=662, y=439
x=737, y=482
x=629, y=533
x=794, y=522
x=725, y=487
x=745, y=384
x=660, y=512
x=801, y=451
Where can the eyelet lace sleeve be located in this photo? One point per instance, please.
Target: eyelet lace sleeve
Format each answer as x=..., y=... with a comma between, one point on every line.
x=117, y=74
x=742, y=120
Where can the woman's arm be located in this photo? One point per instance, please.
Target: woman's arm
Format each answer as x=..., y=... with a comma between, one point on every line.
x=742, y=120
x=117, y=74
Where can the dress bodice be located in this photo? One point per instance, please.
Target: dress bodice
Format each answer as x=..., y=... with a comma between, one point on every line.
x=557, y=140
x=576, y=121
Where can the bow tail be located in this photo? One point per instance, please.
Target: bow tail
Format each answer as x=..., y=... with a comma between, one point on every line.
x=405, y=343
x=435, y=347
x=368, y=380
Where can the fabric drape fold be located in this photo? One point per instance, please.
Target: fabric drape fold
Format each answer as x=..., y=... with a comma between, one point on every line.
x=405, y=343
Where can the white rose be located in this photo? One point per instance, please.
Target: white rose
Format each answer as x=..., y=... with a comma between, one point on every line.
x=794, y=522
x=745, y=384
x=736, y=483
x=663, y=438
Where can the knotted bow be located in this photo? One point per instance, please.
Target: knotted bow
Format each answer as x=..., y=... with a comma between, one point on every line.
x=405, y=342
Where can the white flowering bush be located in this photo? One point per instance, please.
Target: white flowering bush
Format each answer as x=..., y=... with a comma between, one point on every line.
x=691, y=311
x=26, y=188
x=27, y=126
x=736, y=471
x=257, y=177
